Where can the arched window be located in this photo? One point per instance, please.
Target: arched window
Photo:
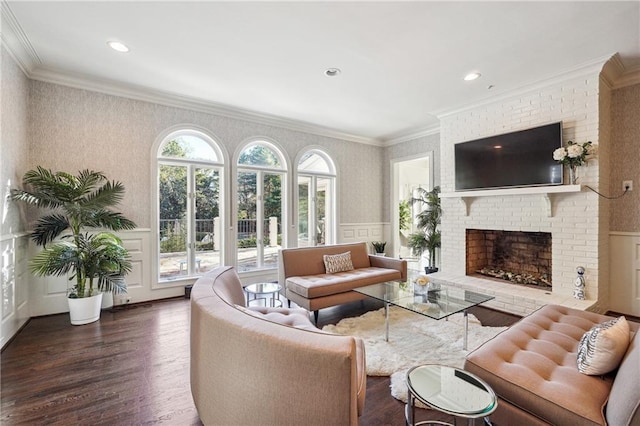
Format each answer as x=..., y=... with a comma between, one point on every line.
x=316, y=199
x=190, y=235
x=261, y=183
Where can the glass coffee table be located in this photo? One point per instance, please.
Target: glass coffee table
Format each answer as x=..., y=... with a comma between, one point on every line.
x=264, y=289
x=437, y=304
x=449, y=390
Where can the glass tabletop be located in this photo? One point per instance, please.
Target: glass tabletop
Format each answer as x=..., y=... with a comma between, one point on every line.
x=451, y=390
x=263, y=288
x=437, y=304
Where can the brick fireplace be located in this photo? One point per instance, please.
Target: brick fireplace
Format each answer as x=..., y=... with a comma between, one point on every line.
x=577, y=222
x=517, y=257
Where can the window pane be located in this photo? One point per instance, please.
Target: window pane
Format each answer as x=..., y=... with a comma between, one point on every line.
x=272, y=230
x=191, y=147
x=259, y=155
x=313, y=162
x=173, y=224
x=208, y=231
x=247, y=221
x=304, y=238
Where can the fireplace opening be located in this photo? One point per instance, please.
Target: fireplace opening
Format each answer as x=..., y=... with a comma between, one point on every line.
x=517, y=257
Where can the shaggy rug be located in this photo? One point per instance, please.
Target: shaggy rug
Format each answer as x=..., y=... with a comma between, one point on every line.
x=413, y=340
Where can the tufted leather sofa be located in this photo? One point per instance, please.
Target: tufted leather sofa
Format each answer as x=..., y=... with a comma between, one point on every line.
x=306, y=283
x=268, y=366
x=532, y=368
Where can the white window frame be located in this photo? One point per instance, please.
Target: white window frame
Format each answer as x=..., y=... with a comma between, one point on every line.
x=158, y=159
x=284, y=171
x=332, y=175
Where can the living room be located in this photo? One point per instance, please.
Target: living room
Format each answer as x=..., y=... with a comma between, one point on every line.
x=63, y=121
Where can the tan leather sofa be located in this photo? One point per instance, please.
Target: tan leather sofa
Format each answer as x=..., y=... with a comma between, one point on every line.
x=307, y=284
x=268, y=366
x=532, y=368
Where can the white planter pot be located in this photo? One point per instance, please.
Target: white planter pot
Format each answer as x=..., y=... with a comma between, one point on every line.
x=107, y=300
x=85, y=310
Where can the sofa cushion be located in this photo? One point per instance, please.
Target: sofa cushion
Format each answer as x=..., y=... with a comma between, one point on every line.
x=602, y=347
x=623, y=407
x=334, y=263
x=292, y=317
x=312, y=286
x=532, y=365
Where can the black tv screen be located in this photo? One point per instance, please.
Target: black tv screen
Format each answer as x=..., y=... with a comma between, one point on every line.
x=523, y=158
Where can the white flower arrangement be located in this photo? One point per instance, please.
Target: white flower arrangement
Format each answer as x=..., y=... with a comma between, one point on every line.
x=574, y=154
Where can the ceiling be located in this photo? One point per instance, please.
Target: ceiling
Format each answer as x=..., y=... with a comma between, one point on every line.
x=402, y=63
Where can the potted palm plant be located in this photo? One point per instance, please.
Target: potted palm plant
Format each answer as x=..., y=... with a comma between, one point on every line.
x=97, y=261
x=428, y=238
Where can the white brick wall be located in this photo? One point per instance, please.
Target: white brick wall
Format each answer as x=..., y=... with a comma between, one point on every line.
x=575, y=222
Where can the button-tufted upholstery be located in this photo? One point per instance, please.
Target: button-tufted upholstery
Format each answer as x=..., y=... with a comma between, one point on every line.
x=306, y=283
x=268, y=365
x=532, y=366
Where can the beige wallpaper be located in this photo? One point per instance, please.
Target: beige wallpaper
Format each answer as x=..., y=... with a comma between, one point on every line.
x=72, y=129
x=625, y=158
x=14, y=91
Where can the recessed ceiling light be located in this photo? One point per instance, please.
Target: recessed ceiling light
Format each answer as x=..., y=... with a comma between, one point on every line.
x=471, y=76
x=332, y=72
x=117, y=46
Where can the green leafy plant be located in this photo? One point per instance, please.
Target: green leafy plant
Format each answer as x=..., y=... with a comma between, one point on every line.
x=404, y=219
x=378, y=246
x=77, y=203
x=98, y=259
x=429, y=237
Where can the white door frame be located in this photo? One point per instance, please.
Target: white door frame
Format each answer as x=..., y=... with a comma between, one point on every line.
x=395, y=164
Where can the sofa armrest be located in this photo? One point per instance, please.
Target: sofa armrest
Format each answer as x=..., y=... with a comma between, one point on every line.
x=390, y=263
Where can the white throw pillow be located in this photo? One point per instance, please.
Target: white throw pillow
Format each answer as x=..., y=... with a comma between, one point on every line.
x=337, y=262
x=601, y=349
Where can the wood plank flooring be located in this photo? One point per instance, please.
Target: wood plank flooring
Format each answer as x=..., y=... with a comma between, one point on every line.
x=132, y=368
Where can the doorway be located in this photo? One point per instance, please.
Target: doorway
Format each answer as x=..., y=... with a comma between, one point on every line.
x=407, y=175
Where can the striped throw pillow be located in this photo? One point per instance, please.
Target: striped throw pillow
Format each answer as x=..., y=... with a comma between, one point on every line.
x=601, y=349
x=337, y=262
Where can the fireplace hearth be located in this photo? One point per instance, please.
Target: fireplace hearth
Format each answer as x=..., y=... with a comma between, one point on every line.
x=521, y=258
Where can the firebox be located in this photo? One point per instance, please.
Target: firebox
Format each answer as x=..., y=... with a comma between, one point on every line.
x=514, y=256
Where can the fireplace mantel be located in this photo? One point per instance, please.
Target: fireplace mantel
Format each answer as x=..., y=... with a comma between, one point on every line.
x=547, y=193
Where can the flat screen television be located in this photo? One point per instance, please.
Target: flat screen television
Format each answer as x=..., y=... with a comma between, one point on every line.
x=517, y=159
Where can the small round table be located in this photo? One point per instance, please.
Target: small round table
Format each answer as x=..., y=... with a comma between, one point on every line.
x=449, y=390
x=264, y=289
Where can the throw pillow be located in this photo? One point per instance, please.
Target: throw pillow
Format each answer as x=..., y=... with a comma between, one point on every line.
x=601, y=349
x=337, y=262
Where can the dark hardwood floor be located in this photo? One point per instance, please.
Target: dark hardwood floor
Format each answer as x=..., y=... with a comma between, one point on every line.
x=132, y=368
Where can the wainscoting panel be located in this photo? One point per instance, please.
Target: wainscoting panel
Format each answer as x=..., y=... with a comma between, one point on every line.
x=624, y=281
x=14, y=309
x=356, y=232
x=49, y=294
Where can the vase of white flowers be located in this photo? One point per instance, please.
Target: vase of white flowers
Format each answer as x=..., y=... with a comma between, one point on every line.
x=573, y=155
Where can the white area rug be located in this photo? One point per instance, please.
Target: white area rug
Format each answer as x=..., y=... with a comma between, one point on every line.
x=413, y=340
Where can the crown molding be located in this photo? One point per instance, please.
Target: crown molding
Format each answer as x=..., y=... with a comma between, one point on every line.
x=431, y=129
x=14, y=39
x=628, y=78
x=612, y=70
x=111, y=87
x=589, y=68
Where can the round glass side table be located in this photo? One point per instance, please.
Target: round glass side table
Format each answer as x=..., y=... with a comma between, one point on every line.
x=264, y=289
x=449, y=390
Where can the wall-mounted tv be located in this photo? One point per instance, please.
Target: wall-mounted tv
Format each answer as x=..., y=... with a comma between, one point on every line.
x=517, y=159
